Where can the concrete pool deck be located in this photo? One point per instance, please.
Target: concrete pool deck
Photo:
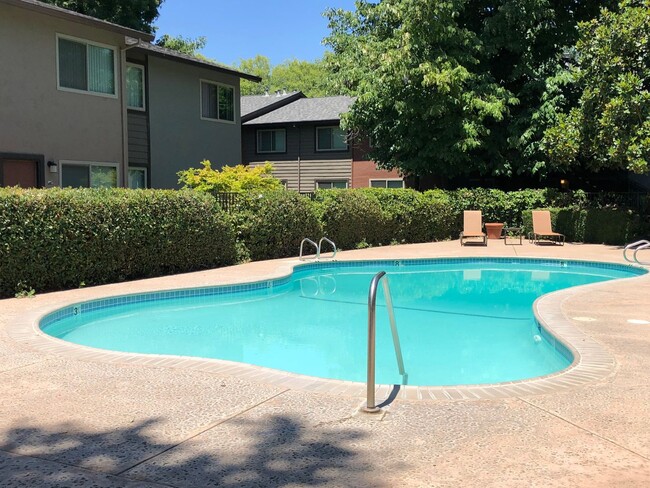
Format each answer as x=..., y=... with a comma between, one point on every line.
x=72, y=416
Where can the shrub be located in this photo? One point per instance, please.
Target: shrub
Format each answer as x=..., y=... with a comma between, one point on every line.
x=351, y=217
x=230, y=179
x=272, y=225
x=62, y=238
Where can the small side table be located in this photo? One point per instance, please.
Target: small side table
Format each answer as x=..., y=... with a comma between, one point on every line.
x=493, y=230
x=512, y=233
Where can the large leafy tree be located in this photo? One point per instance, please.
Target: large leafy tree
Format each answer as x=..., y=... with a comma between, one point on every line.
x=135, y=14
x=458, y=86
x=610, y=127
x=309, y=77
x=182, y=44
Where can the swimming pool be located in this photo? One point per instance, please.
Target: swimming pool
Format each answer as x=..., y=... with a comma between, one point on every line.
x=461, y=321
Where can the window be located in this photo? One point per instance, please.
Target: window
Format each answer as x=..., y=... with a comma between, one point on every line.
x=217, y=101
x=137, y=178
x=135, y=86
x=85, y=66
x=387, y=183
x=88, y=175
x=271, y=141
x=329, y=185
x=331, y=139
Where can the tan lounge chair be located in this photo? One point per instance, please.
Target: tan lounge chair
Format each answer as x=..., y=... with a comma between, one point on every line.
x=542, y=229
x=472, y=226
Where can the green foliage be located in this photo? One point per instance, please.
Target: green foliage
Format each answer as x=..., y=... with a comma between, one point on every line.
x=593, y=225
x=610, y=127
x=309, y=77
x=230, y=179
x=272, y=225
x=61, y=238
x=135, y=14
x=183, y=45
x=351, y=217
x=455, y=87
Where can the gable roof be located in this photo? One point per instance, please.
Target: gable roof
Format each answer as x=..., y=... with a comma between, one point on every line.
x=163, y=52
x=62, y=13
x=253, y=106
x=306, y=110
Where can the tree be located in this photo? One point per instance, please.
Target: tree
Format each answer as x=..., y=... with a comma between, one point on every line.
x=458, y=86
x=183, y=45
x=230, y=179
x=134, y=14
x=311, y=78
x=610, y=126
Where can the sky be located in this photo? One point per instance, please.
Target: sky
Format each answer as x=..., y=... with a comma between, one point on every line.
x=241, y=29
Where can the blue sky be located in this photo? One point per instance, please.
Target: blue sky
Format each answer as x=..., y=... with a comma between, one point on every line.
x=278, y=29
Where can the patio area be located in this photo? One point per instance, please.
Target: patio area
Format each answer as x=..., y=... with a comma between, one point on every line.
x=72, y=416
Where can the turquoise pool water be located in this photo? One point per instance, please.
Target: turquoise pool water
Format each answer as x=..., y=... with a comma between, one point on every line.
x=460, y=321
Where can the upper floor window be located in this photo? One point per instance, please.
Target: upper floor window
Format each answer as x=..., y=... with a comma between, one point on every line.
x=135, y=86
x=217, y=101
x=271, y=141
x=86, y=66
x=331, y=139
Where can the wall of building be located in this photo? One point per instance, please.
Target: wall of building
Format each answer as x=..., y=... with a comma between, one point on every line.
x=179, y=138
x=364, y=171
x=35, y=116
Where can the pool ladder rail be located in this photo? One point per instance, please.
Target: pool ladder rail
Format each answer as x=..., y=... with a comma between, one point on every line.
x=636, y=247
x=318, y=248
x=371, y=405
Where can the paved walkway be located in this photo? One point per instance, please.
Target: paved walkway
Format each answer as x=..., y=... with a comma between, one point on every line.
x=78, y=419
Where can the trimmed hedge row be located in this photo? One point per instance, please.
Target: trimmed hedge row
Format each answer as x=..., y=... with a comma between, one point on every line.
x=55, y=239
x=600, y=226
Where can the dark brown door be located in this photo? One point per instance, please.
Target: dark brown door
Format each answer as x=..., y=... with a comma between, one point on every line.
x=19, y=172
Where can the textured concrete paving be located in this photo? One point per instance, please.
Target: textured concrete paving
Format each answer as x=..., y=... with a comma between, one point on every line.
x=76, y=420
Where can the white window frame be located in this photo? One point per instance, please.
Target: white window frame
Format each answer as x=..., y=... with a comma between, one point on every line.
x=234, y=93
x=318, y=182
x=138, y=168
x=386, y=180
x=259, y=131
x=347, y=145
x=92, y=43
x=144, y=83
x=63, y=162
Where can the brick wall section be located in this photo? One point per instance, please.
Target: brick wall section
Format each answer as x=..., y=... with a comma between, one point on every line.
x=364, y=171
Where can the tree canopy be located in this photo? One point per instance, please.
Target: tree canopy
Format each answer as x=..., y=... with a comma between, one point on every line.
x=610, y=126
x=135, y=14
x=309, y=77
x=458, y=86
x=182, y=44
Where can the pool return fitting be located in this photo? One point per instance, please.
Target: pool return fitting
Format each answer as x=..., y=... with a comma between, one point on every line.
x=318, y=248
x=636, y=247
x=371, y=406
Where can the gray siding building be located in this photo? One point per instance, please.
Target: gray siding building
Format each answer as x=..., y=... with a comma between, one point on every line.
x=90, y=103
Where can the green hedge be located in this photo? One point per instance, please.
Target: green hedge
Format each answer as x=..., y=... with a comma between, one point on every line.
x=596, y=226
x=272, y=225
x=55, y=239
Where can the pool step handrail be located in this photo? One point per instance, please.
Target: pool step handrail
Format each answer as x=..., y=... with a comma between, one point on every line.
x=302, y=248
x=371, y=405
x=636, y=247
x=318, y=248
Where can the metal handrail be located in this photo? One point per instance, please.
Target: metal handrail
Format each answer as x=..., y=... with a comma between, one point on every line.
x=371, y=405
x=302, y=244
x=331, y=242
x=636, y=246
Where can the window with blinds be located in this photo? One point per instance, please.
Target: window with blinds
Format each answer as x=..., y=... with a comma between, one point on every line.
x=135, y=86
x=85, y=66
x=217, y=101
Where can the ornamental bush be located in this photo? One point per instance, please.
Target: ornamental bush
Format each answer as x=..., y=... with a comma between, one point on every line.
x=64, y=238
x=272, y=225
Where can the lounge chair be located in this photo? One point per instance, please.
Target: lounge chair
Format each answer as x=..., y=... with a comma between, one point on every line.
x=473, y=226
x=542, y=229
